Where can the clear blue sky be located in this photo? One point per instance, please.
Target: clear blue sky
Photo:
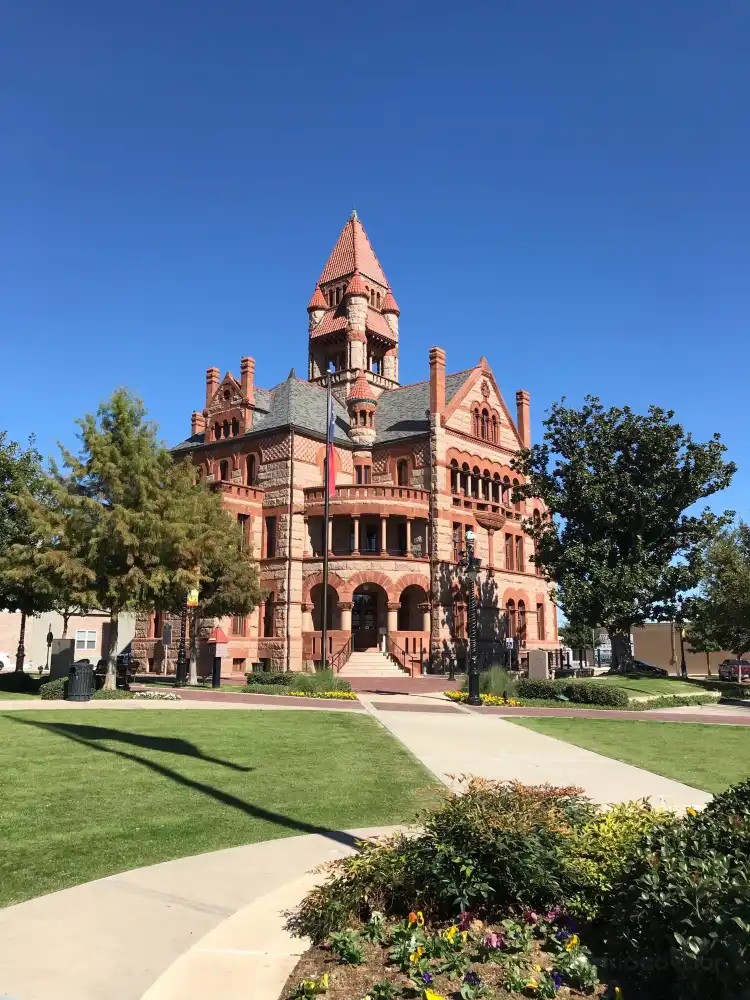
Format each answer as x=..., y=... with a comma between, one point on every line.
x=562, y=187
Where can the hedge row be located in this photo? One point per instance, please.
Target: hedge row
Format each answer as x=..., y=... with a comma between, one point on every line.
x=589, y=692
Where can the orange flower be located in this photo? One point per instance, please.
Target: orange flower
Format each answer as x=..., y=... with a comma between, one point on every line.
x=416, y=919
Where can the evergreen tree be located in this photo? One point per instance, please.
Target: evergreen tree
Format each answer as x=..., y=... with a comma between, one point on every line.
x=22, y=478
x=720, y=614
x=619, y=543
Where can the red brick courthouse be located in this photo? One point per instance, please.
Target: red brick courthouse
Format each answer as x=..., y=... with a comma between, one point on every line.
x=416, y=466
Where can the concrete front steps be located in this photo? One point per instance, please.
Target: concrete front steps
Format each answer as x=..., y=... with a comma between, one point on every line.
x=370, y=663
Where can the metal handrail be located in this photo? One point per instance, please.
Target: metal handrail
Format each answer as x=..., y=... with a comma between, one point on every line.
x=399, y=655
x=340, y=658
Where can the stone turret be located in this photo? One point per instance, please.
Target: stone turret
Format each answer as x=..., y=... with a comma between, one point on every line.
x=361, y=404
x=355, y=299
x=316, y=308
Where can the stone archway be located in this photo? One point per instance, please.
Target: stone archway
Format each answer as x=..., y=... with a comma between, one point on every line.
x=369, y=615
x=413, y=609
x=333, y=612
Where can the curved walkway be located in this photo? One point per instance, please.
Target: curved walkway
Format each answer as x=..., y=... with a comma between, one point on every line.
x=113, y=938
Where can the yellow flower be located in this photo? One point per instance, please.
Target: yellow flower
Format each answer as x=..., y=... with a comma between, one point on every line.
x=464, y=936
x=691, y=812
x=416, y=918
x=531, y=985
x=537, y=968
x=572, y=942
x=618, y=993
x=324, y=980
x=432, y=995
x=416, y=955
x=451, y=932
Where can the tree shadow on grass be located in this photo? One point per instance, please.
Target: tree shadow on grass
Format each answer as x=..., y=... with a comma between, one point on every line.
x=72, y=732
x=165, y=744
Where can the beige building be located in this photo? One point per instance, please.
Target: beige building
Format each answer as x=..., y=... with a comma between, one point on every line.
x=658, y=643
x=89, y=633
x=416, y=466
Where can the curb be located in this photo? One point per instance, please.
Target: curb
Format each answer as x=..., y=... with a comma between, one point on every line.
x=248, y=955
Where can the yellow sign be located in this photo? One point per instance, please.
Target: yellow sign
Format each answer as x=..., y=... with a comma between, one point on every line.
x=192, y=598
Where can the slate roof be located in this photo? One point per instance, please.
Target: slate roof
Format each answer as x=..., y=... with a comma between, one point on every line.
x=400, y=413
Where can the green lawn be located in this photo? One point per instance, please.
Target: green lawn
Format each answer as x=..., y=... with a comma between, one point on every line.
x=707, y=757
x=86, y=794
x=4, y=695
x=640, y=686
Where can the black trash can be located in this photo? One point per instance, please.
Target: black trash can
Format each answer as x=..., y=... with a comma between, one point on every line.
x=80, y=682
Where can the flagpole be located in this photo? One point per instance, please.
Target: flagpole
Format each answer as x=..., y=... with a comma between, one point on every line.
x=326, y=501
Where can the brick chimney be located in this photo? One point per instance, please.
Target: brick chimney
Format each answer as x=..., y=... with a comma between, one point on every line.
x=437, y=380
x=247, y=378
x=212, y=384
x=523, y=421
x=197, y=423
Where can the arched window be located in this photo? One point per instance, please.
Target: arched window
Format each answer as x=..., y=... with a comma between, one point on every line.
x=520, y=564
x=522, y=621
x=494, y=428
x=251, y=470
x=476, y=423
x=465, y=479
x=485, y=424
x=517, y=503
x=475, y=482
x=496, y=488
x=454, y=476
x=157, y=624
x=486, y=485
x=224, y=471
x=268, y=618
x=509, y=552
x=510, y=609
x=541, y=632
x=226, y=428
x=217, y=431
x=235, y=427
x=402, y=472
x=506, y=491
x=379, y=300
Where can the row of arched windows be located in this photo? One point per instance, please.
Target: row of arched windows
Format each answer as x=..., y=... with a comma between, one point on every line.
x=482, y=486
x=486, y=425
x=224, y=471
x=516, y=620
x=226, y=429
x=335, y=295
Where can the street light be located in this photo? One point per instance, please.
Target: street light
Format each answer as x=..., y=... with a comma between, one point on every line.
x=470, y=566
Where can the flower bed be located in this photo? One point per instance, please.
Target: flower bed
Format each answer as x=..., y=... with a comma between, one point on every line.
x=648, y=705
x=336, y=695
x=534, y=956
x=157, y=696
x=487, y=699
x=524, y=890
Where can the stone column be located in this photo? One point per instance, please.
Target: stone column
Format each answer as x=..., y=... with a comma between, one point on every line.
x=393, y=609
x=307, y=619
x=383, y=535
x=355, y=521
x=490, y=549
x=425, y=609
x=330, y=535
x=345, y=607
x=408, y=538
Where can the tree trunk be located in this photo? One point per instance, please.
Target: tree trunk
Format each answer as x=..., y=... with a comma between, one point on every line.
x=622, y=657
x=193, y=662
x=66, y=622
x=110, y=678
x=708, y=663
x=21, y=649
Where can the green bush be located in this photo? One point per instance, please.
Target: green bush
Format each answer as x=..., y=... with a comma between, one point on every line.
x=593, y=693
x=269, y=679
x=117, y=695
x=678, y=917
x=19, y=683
x=526, y=688
x=321, y=680
x=54, y=690
x=499, y=845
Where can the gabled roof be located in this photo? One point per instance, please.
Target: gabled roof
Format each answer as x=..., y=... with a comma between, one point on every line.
x=353, y=252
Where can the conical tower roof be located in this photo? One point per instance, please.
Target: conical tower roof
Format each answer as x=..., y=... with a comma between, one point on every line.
x=317, y=301
x=361, y=391
x=353, y=252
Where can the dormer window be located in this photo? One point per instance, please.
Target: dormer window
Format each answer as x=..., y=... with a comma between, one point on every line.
x=227, y=394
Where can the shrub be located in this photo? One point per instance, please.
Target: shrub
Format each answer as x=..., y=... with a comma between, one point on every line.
x=495, y=681
x=727, y=689
x=321, y=680
x=593, y=693
x=267, y=679
x=678, y=917
x=117, y=695
x=500, y=844
x=55, y=690
x=527, y=688
x=673, y=701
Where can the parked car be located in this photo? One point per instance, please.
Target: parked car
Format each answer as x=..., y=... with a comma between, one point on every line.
x=735, y=670
x=8, y=662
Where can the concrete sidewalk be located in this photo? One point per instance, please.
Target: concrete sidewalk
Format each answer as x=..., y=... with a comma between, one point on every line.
x=113, y=938
x=469, y=742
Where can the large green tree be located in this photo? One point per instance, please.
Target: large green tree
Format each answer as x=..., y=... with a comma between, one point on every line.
x=22, y=476
x=620, y=542
x=719, y=616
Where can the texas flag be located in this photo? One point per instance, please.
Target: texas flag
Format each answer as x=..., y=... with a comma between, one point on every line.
x=331, y=465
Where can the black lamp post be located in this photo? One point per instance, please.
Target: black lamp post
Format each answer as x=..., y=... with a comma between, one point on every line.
x=181, y=650
x=470, y=566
